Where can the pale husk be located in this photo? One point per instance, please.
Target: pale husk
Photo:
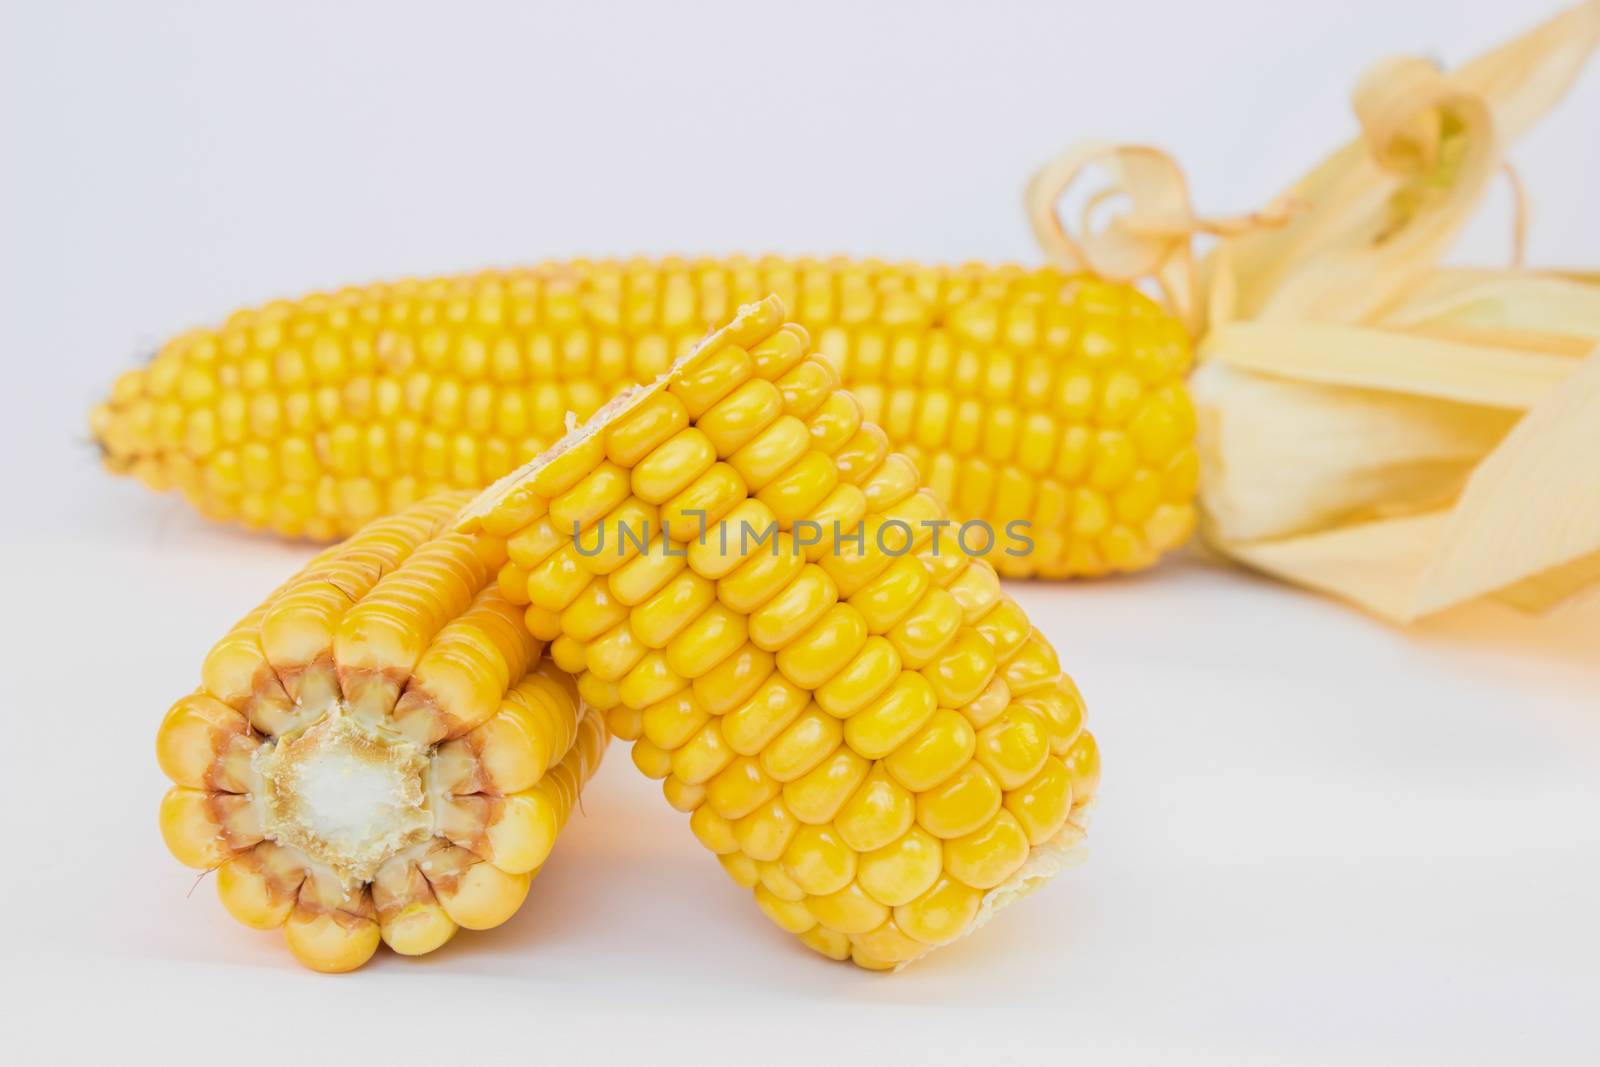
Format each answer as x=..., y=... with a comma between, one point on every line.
x=1466, y=403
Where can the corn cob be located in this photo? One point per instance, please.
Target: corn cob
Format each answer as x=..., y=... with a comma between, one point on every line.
x=377, y=752
x=1022, y=394
x=876, y=742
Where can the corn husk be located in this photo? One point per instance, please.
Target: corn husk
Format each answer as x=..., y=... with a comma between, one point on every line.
x=1405, y=436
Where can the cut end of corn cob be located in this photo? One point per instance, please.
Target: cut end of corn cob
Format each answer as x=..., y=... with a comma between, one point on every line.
x=1023, y=395
x=871, y=737
x=378, y=752
x=346, y=793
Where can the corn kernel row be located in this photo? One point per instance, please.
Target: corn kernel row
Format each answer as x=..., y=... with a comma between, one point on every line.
x=1023, y=394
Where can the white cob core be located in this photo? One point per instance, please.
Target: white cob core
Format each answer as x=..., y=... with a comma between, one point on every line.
x=346, y=794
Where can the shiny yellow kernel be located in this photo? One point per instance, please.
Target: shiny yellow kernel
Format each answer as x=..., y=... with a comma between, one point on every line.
x=1083, y=763
x=750, y=527
x=933, y=754
x=594, y=612
x=931, y=625
x=885, y=947
x=670, y=722
x=878, y=811
x=772, y=451
x=802, y=744
x=671, y=609
x=818, y=861
x=595, y=494
x=866, y=678
x=818, y=794
x=732, y=682
x=681, y=795
x=714, y=832
x=790, y=915
x=1014, y=747
x=940, y=914
x=902, y=870
x=961, y=805
x=799, y=606
x=1005, y=627
x=829, y=943
x=709, y=375
x=739, y=788
x=765, y=832
x=799, y=491
x=761, y=577
x=849, y=910
x=646, y=573
x=825, y=649
x=990, y=854
x=744, y=413
x=649, y=680
x=673, y=466
x=652, y=761
x=887, y=722
x=1041, y=805
x=701, y=757
x=645, y=427
x=741, y=868
x=892, y=595
x=714, y=634
x=750, y=726
x=777, y=881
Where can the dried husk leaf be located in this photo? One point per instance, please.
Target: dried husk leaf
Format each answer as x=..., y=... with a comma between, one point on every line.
x=1151, y=238
x=1495, y=455
x=1371, y=425
x=1371, y=564
x=1285, y=457
x=1527, y=76
x=1537, y=312
x=1470, y=370
x=1526, y=528
x=1379, y=212
x=1558, y=587
x=1532, y=504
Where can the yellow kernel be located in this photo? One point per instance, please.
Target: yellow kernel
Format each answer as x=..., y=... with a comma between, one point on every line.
x=803, y=744
x=883, y=725
x=903, y=869
x=940, y=914
x=817, y=795
x=876, y=812
x=934, y=753
x=818, y=861
x=866, y=678
x=990, y=854
x=1041, y=806
x=849, y=910
x=960, y=805
x=672, y=466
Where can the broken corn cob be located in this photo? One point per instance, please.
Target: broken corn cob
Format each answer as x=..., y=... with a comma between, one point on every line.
x=1022, y=394
x=377, y=752
x=867, y=732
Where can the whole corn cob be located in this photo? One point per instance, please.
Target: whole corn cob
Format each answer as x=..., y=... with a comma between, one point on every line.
x=1022, y=394
x=377, y=751
x=867, y=732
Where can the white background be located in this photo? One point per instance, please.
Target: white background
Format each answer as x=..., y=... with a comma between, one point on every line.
x=1320, y=838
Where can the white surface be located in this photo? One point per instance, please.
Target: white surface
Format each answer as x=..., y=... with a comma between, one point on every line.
x=1320, y=839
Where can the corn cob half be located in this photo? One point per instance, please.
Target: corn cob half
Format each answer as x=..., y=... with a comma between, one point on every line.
x=1022, y=394
x=867, y=732
x=378, y=751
